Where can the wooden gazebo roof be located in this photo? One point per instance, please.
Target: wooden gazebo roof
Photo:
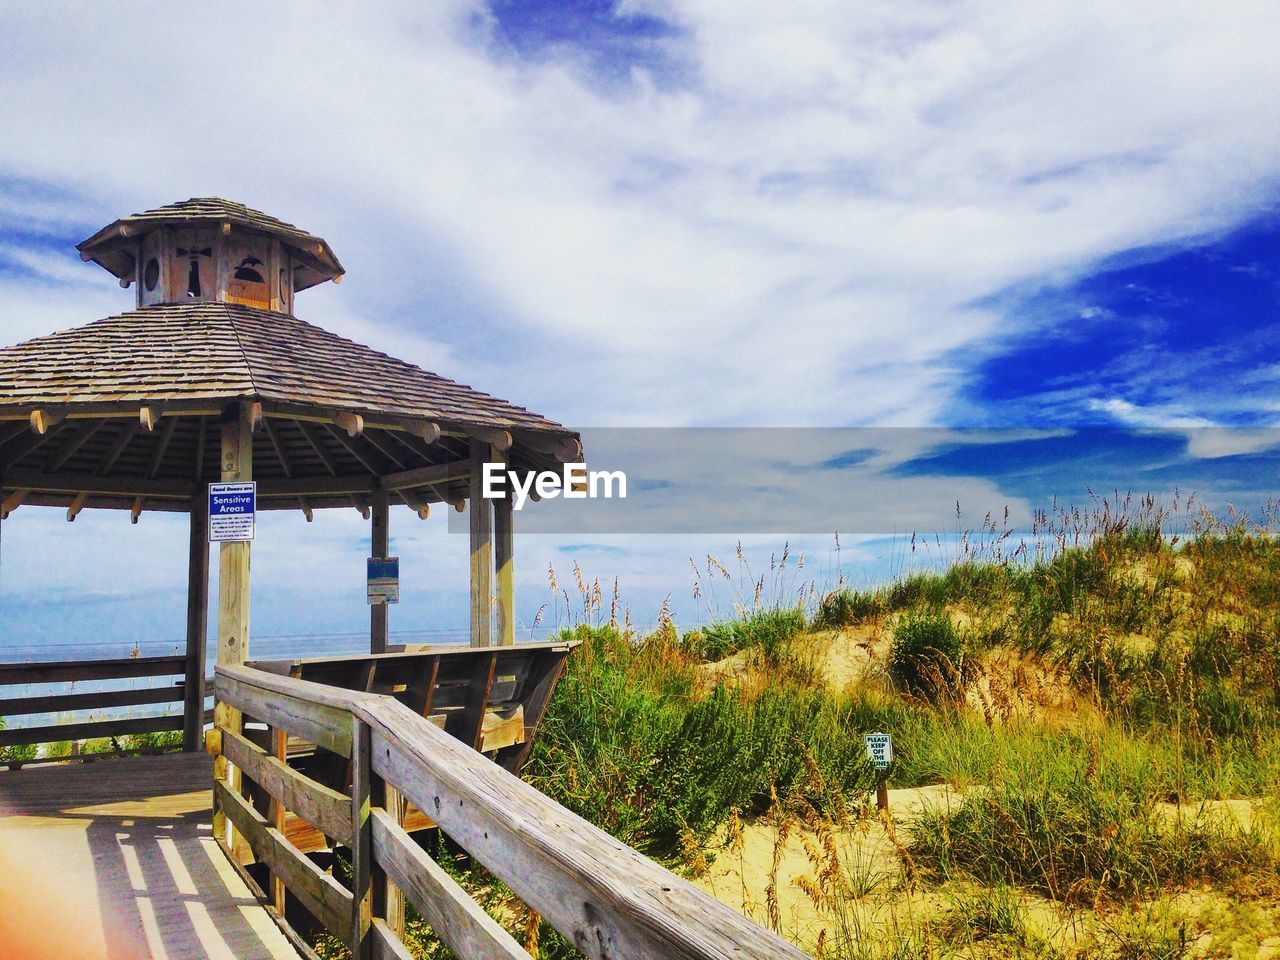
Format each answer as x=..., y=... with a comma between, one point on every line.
x=124, y=412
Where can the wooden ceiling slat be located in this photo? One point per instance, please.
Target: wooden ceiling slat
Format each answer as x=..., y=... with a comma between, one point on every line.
x=354, y=448
x=12, y=432
x=403, y=441
x=30, y=443
x=305, y=430
x=384, y=446
x=162, y=445
x=200, y=448
x=127, y=433
x=73, y=443
x=274, y=437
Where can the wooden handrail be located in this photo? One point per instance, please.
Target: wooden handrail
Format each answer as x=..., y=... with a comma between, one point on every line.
x=71, y=702
x=59, y=704
x=609, y=900
x=62, y=671
x=89, y=730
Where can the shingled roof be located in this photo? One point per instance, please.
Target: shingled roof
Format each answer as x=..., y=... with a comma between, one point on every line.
x=104, y=246
x=186, y=363
x=207, y=350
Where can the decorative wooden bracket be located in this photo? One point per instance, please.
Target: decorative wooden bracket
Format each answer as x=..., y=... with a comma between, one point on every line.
x=353, y=423
x=42, y=420
x=416, y=504
x=500, y=439
x=12, y=502
x=564, y=449
x=426, y=430
x=77, y=504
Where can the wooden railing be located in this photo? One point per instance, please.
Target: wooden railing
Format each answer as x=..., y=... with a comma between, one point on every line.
x=606, y=898
x=87, y=671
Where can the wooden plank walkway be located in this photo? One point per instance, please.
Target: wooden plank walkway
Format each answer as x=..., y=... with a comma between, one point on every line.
x=115, y=859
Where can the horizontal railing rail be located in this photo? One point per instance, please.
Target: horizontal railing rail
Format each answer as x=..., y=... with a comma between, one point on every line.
x=609, y=900
x=77, y=701
x=75, y=671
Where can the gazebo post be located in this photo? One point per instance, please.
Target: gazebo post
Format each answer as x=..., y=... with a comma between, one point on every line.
x=197, y=622
x=503, y=558
x=233, y=588
x=380, y=535
x=481, y=511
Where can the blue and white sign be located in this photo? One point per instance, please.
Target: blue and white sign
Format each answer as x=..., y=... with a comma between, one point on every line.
x=231, y=511
x=384, y=580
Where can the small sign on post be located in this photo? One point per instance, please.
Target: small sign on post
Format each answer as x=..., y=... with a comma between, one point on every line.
x=879, y=749
x=384, y=580
x=231, y=511
x=880, y=753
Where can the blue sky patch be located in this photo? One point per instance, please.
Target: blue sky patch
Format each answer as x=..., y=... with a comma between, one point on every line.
x=594, y=32
x=1159, y=335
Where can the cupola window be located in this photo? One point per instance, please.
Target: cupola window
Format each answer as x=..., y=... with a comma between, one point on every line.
x=193, y=273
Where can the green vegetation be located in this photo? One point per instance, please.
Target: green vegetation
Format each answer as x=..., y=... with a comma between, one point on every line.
x=927, y=657
x=1097, y=706
x=18, y=753
x=1090, y=726
x=134, y=743
x=646, y=744
x=768, y=631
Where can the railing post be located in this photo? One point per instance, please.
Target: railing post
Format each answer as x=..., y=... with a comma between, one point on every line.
x=388, y=900
x=279, y=815
x=362, y=847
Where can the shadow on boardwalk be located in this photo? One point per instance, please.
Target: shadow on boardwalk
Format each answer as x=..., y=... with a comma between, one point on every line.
x=115, y=859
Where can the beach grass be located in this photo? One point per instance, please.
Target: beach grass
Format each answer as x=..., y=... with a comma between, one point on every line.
x=1104, y=705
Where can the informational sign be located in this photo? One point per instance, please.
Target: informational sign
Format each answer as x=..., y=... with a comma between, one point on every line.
x=384, y=580
x=231, y=511
x=879, y=749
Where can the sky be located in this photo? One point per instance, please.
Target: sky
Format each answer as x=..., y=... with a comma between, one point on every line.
x=686, y=214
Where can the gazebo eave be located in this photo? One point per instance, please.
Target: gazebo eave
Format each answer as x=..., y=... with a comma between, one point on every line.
x=311, y=456
x=562, y=444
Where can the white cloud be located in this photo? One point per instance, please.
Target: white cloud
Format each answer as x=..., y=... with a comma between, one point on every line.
x=1162, y=416
x=792, y=236
x=792, y=232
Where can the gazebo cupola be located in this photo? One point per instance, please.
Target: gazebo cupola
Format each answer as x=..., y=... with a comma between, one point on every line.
x=212, y=249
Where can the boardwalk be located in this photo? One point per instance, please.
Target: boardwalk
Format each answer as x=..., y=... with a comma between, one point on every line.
x=117, y=861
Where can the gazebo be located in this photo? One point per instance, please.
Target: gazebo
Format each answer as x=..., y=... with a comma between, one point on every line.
x=326, y=771
x=213, y=378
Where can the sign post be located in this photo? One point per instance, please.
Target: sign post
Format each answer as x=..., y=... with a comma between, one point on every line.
x=231, y=511
x=880, y=753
